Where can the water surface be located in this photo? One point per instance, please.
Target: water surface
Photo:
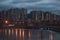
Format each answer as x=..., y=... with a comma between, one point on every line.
x=28, y=34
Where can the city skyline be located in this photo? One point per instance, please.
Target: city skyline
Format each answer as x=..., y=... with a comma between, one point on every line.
x=22, y=13
x=45, y=5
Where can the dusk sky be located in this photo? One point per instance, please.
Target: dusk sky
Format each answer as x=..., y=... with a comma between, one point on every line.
x=45, y=5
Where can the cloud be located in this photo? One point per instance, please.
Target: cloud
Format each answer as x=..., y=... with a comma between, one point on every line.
x=2, y=0
x=49, y=5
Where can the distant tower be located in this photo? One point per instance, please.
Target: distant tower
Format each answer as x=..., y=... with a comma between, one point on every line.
x=47, y=16
x=42, y=16
x=36, y=17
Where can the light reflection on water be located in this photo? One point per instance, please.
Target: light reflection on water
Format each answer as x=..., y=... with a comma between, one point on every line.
x=28, y=34
x=20, y=32
x=9, y=31
x=12, y=32
x=51, y=35
x=16, y=32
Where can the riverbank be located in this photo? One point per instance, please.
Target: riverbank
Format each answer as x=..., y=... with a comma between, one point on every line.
x=34, y=27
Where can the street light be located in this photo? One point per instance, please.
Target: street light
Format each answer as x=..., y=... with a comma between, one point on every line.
x=6, y=21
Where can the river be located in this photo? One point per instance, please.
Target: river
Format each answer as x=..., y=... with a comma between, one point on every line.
x=28, y=34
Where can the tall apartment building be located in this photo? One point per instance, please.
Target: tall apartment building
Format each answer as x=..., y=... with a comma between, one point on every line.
x=37, y=15
x=49, y=16
x=58, y=17
x=18, y=14
x=46, y=16
x=14, y=15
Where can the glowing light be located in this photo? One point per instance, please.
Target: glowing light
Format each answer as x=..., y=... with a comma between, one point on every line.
x=6, y=21
x=20, y=32
x=29, y=34
x=9, y=31
x=51, y=36
x=16, y=33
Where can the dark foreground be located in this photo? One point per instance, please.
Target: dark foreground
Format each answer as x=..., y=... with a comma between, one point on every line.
x=28, y=34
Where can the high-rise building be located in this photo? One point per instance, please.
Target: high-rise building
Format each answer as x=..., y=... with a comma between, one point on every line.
x=17, y=14
x=14, y=15
x=37, y=15
x=48, y=16
x=54, y=17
